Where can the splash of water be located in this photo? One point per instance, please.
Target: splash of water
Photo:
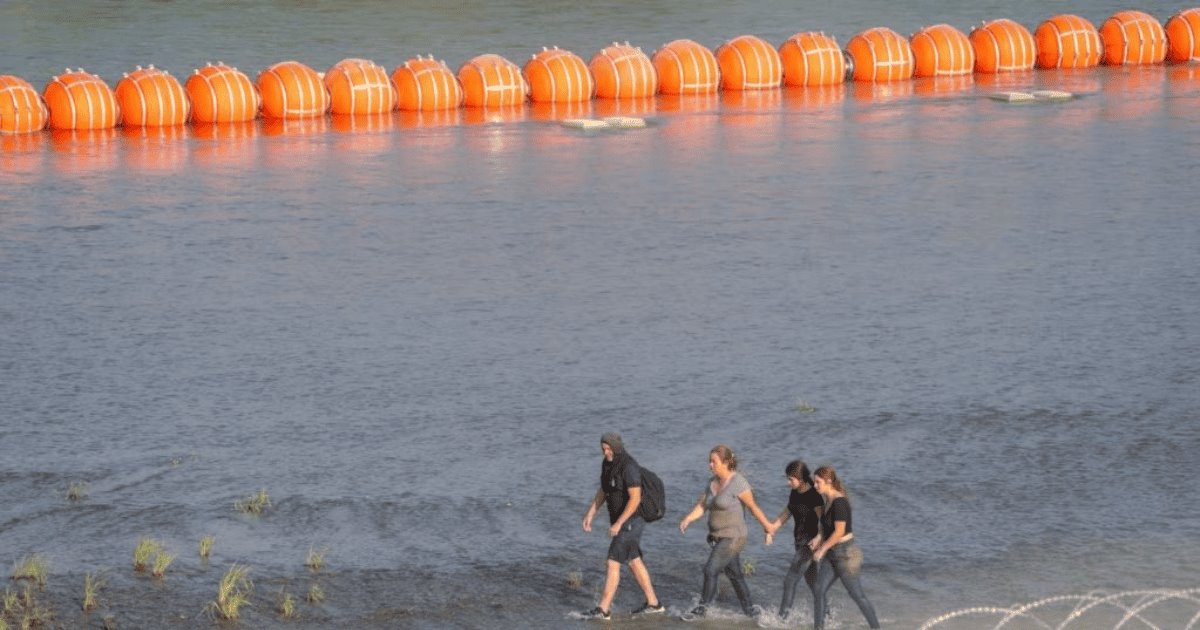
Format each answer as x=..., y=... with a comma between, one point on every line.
x=1135, y=606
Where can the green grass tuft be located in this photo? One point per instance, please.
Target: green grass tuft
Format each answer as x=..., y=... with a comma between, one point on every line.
x=287, y=606
x=144, y=552
x=77, y=491
x=315, y=559
x=91, y=589
x=253, y=504
x=802, y=406
x=575, y=579
x=315, y=594
x=233, y=592
x=162, y=560
x=748, y=566
x=33, y=568
x=206, y=544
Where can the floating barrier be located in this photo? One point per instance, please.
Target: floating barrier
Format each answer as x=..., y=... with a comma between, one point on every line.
x=558, y=76
x=1003, y=46
x=426, y=85
x=149, y=97
x=1183, y=36
x=686, y=67
x=80, y=100
x=623, y=71
x=490, y=80
x=941, y=51
x=292, y=91
x=749, y=63
x=359, y=87
x=222, y=94
x=21, y=107
x=621, y=76
x=880, y=55
x=1133, y=38
x=1067, y=41
x=810, y=59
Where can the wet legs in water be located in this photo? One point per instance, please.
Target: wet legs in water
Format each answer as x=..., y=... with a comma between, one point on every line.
x=725, y=557
x=842, y=562
x=802, y=565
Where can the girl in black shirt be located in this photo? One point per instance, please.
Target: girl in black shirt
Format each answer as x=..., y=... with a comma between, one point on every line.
x=844, y=558
x=805, y=507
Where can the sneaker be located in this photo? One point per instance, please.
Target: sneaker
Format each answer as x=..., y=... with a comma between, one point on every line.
x=597, y=613
x=647, y=609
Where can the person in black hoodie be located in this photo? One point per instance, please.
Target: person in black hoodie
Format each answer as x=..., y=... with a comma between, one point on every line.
x=621, y=489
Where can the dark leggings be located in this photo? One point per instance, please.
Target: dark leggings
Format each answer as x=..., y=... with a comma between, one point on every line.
x=802, y=565
x=842, y=562
x=725, y=557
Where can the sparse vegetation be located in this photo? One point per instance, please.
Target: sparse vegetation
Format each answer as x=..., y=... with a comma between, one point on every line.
x=33, y=568
x=802, y=406
x=315, y=559
x=77, y=491
x=91, y=589
x=143, y=553
x=748, y=566
x=233, y=592
x=11, y=601
x=206, y=544
x=315, y=594
x=25, y=610
x=287, y=605
x=575, y=579
x=162, y=560
x=253, y=504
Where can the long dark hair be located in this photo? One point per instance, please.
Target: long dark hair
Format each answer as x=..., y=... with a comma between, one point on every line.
x=797, y=469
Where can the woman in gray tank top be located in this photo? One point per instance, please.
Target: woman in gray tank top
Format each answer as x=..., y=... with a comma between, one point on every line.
x=725, y=498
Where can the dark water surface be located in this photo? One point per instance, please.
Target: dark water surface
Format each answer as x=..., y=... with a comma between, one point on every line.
x=412, y=332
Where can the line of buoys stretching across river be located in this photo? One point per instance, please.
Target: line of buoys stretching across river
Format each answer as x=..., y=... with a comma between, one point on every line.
x=291, y=90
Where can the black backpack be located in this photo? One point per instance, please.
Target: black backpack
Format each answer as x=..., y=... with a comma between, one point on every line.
x=654, y=497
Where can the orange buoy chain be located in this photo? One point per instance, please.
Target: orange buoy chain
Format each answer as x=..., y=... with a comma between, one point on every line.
x=621, y=73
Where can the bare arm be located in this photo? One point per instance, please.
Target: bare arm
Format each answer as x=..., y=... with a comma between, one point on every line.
x=696, y=512
x=747, y=499
x=839, y=532
x=597, y=501
x=631, y=506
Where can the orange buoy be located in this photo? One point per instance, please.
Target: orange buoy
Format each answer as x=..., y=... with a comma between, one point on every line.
x=558, y=76
x=359, y=86
x=221, y=94
x=150, y=97
x=1003, y=46
x=749, y=63
x=812, y=59
x=686, y=67
x=880, y=54
x=490, y=80
x=1067, y=41
x=80, y=100
x=1134, y=38
x=941, y=51
x=423, y=84
x=21, y=107
x=1183, y=36
x=623, y=71
x=291, y=90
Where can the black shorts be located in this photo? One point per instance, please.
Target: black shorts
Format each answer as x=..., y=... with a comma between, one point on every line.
x=627, y=544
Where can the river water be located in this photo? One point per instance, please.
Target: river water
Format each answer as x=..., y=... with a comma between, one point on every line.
x=412, y=331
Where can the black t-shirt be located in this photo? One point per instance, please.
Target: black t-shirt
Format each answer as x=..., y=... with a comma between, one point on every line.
x=839, y=510
x=803, y=506
x=616, y=478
